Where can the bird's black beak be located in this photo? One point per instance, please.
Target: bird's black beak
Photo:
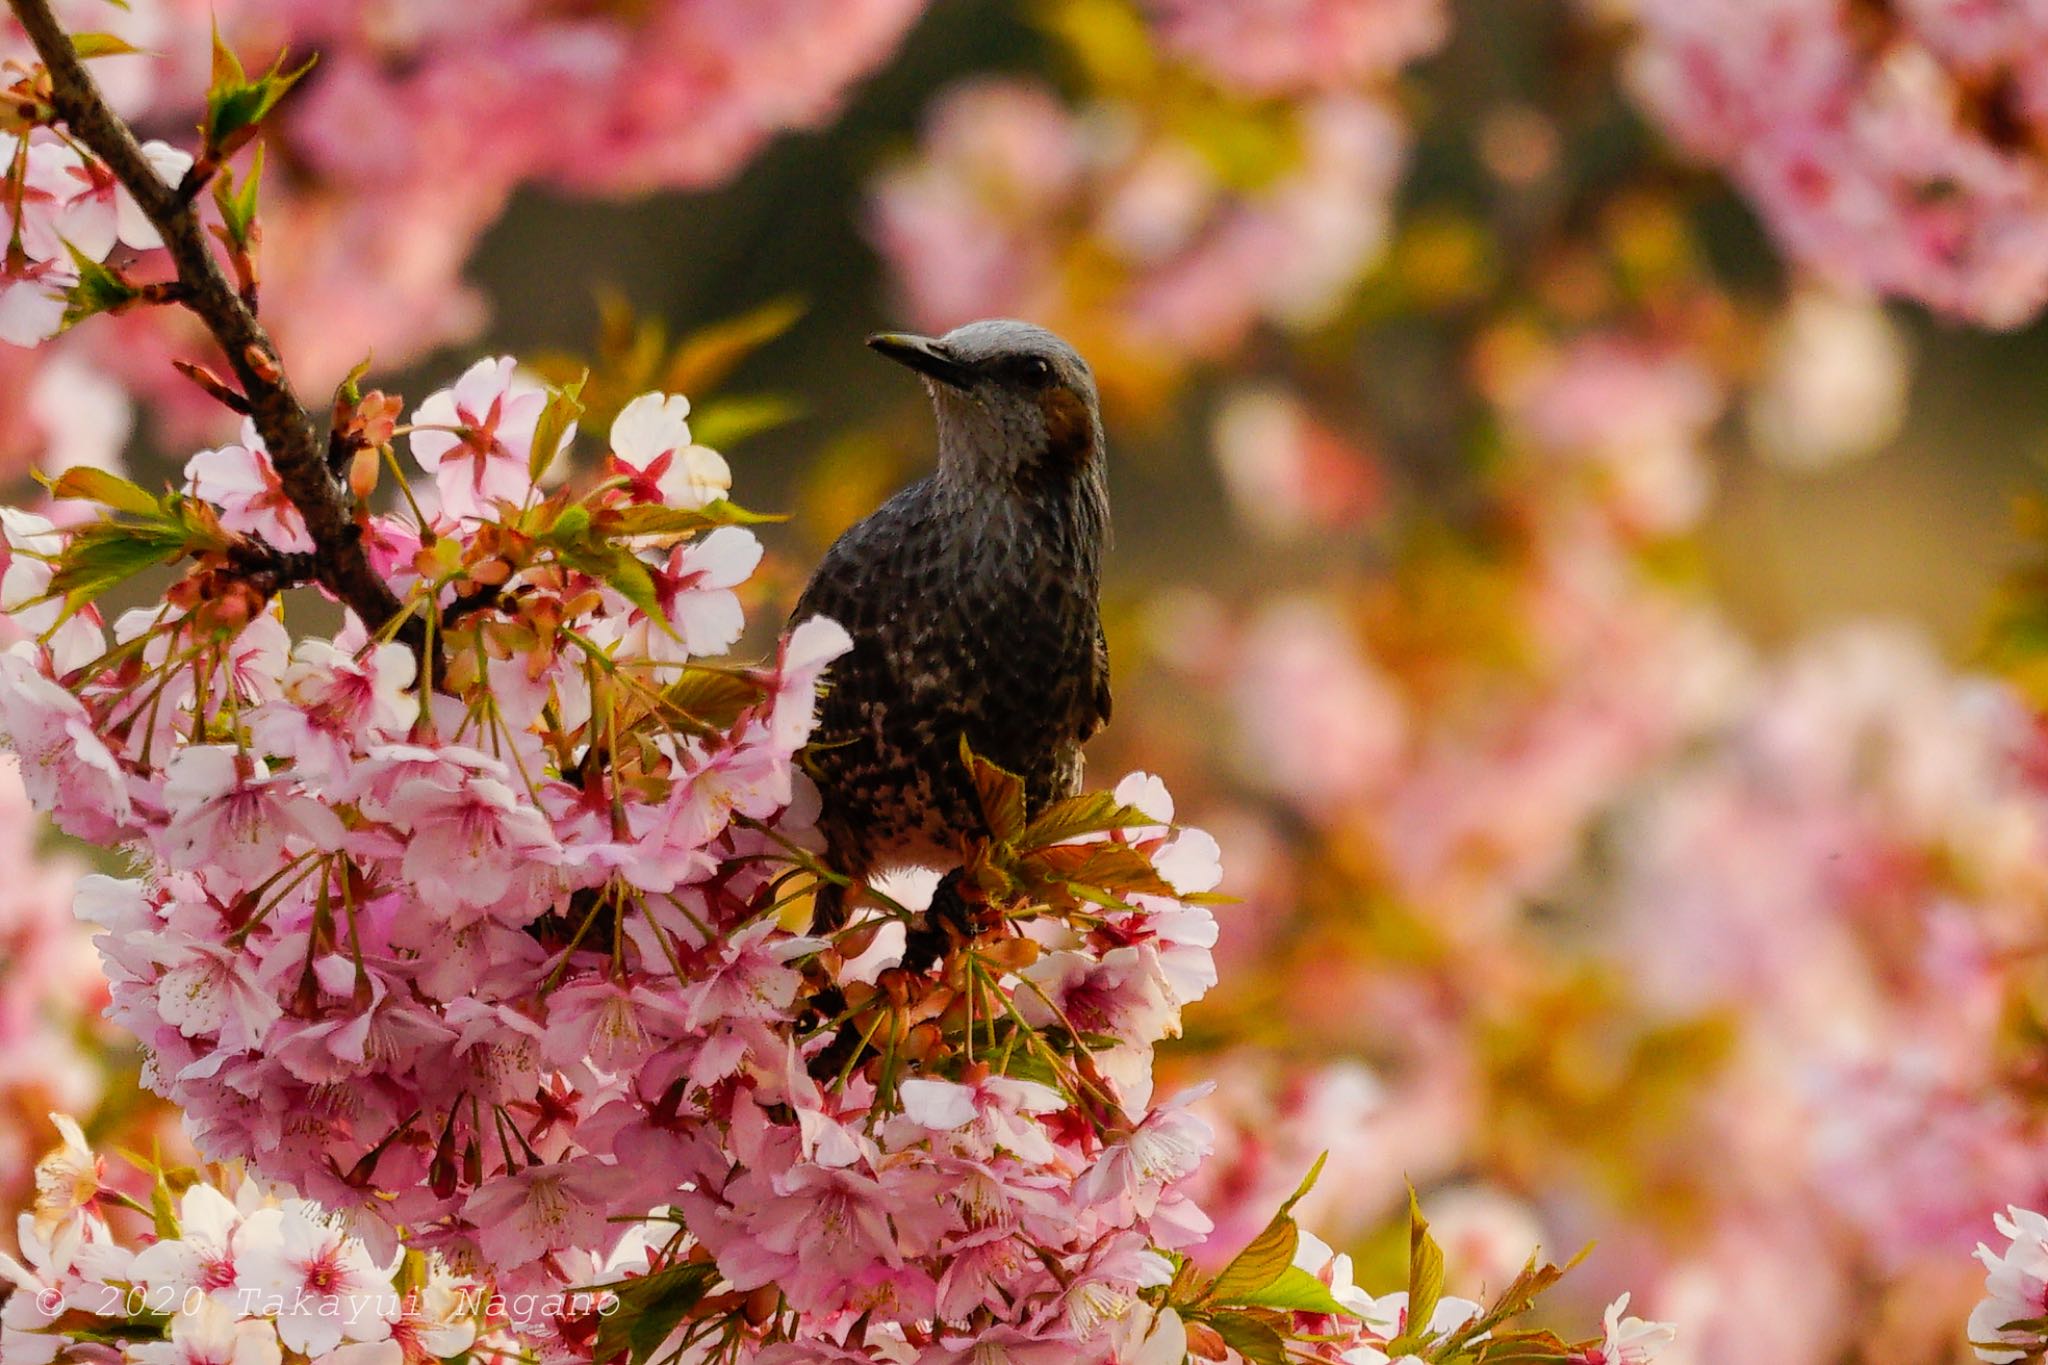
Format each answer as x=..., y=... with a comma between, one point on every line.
x=924, y=355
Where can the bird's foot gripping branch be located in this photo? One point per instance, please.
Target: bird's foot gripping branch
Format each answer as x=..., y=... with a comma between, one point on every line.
x=480, y=919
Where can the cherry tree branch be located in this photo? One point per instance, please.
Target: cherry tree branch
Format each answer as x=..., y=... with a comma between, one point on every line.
x=295, y=445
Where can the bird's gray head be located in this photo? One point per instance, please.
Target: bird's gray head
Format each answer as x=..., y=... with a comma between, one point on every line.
x=1015, y=403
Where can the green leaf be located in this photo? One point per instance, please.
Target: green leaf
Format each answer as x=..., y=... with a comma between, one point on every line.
x=161, y=1210
x=623, y=571
x=1525, y=1346
x=727, y=421
x=111, y=490
x=648, y=519
x=235, y=105
x=652, y=1327
x=350, y=389
x=569, y=527
x=1104, y=864
x=105, y=555
x=99, y=290
x=1308, y=1182
x=1096, y=895
x=1259, y=1265
x=1025, y=1064
x=237, y=206
x=723, y=513
x=144, y=1326
x=1251, y=1338
x=198, y=522
x=1000, y=791
x=565, y=405
x=715, y=696
x=1089, y=813
x=227, y=67
x=1425, y=1276
x=649, y=1309
x=1296, y=1291
x=709, y=354
x=91, y=45
x=1536, y=1277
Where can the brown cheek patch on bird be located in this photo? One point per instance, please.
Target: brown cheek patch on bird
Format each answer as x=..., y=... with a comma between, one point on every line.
x=1069, y=429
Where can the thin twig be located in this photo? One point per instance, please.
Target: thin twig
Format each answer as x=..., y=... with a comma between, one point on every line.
x=295, y=446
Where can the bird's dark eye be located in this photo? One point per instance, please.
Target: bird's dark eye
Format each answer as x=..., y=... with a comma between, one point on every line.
x=1037, y=371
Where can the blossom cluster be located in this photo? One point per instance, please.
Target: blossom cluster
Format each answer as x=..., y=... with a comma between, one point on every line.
x=1286, y=47
x=517, y=969
x=1470, y=785
x=63, y=212
x=2011, y=1322
x=404, y=143
x=1179, y=208
x=1895, y=148
x=1850, y=868
x=231, y=1272
x=1609, y=849
x=485, y=920
x=50, y=986
x=318, y=839
x=503, y=970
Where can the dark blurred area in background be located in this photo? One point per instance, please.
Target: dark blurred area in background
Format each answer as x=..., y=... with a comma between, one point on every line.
x=1923, y=528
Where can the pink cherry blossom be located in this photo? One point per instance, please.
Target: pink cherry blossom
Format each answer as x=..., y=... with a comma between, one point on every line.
x=651, y=445
x=996, y=1113
x=228, y=814
x=476, y=438
x=1114, y=993
x=207, y=990
x=210, y=1334
x=28, y=543
x=469, y=836
x=2016, y=1288
x=61, y=203
x=333, y=702
x=1274, y=47
x=751, y=979
x=32, y=301
x=1858, y=147
x=695, y=588
x=329, y=1287
x=1165, y=1148
x=1627, y=1340
x=65, y=766
x=203, y=1254
x=543, y=1208
x=243, y=483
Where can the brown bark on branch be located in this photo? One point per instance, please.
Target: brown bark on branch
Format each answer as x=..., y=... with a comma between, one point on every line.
x=295, y=445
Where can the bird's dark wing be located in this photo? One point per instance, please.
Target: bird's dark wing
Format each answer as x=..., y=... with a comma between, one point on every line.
x=859, y=578
x=863, y=583
x=1098, y=695
x=843, y=587
x=834, y=589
